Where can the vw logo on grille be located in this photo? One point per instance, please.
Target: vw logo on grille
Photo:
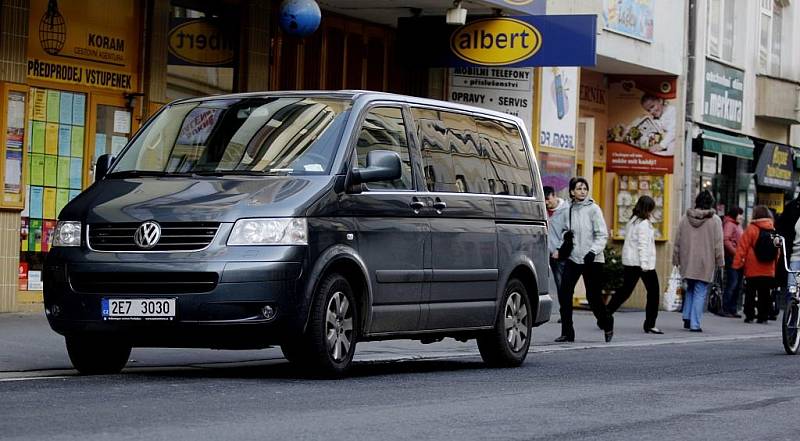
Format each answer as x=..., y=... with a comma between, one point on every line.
x=147, y=235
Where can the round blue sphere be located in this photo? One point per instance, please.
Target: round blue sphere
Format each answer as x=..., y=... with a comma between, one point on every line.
x=299, y=17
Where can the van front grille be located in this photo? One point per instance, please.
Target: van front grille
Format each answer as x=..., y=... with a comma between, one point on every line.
x=175, y=236
x=143, y=282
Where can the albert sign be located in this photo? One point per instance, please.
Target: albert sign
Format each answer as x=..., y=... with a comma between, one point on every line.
x=200, y=42
x=524, y=41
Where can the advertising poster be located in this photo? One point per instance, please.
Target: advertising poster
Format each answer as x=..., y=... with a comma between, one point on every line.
x=556, y=171
x=775, y=167
x=633, y=18
x=507, y=90
x=559, y=107
x=642, y=124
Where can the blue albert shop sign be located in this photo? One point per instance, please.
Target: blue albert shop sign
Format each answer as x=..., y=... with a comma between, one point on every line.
x=524, y=41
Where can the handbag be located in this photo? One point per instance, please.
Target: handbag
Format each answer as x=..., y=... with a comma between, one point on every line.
x=715, y=294
x=568, y=240
x=673, y=296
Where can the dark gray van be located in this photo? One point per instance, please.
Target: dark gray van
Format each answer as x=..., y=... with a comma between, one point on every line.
x=309, y=220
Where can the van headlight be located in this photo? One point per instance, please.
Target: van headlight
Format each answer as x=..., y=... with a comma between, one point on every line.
x=269, y=231
x=67, y=234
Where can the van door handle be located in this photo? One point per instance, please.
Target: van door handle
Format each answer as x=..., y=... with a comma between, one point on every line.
x=439, y=206
x=417, y=205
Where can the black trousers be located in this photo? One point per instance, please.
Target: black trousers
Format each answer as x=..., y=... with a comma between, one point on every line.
x=593, y=280
x=631, y=276
x=557, y=266
x=758, y=287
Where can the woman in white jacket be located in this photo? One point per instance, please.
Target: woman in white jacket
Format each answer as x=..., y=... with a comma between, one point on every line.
x=639, y=261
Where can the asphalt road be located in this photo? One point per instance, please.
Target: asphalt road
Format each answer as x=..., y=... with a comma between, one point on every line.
x=715, y=390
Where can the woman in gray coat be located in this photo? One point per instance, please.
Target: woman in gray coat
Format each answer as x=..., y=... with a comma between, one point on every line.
x=697, y=253
x=585, y=220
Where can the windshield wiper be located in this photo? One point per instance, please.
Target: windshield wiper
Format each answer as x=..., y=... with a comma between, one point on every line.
x=277, y=172
x=144, y=173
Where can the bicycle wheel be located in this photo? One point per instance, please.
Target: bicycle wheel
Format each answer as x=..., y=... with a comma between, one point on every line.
x=791, y=338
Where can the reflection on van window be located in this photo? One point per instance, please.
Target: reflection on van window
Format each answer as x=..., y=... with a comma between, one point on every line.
x=254, y=135
x=383, y=129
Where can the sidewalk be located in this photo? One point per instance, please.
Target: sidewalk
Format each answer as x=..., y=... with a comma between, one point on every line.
x=27, y=343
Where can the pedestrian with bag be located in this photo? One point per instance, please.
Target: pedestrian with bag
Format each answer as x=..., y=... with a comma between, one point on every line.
x=554, y=203
x=578, y=235
x=757, y=254
x=698, y=252
x=639, y=262
x=731, y=234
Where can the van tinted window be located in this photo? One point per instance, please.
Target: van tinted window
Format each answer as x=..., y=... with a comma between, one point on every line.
x=510, y=169
x=435, y=148
x=383, y=129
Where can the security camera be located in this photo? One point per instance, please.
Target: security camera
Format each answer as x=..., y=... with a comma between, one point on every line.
x=456, y=15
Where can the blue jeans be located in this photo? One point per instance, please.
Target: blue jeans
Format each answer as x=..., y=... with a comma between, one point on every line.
x=730, y=297
x=694, y=301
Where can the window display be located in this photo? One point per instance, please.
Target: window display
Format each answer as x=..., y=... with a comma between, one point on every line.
x=628, y=189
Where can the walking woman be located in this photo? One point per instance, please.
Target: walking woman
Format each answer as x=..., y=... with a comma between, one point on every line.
x=584, y=219
x=697, y=254
x=759, y=270
x=639, y=261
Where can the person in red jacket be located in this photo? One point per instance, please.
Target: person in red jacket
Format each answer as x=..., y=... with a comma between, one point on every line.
x=759, y=275
x=731, y=234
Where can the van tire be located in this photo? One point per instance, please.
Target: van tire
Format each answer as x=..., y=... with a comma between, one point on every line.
x=330, y=338
x=92, y=355
x=507, y=344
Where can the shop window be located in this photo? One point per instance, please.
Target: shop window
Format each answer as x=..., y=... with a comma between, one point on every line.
x=57, y=125
x=186, y=80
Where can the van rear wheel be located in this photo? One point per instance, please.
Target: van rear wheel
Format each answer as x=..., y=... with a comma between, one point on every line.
x=507, y=344
x=92, y=355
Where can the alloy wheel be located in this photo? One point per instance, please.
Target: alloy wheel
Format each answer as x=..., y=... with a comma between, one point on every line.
x=338, y=326
x=516, y=322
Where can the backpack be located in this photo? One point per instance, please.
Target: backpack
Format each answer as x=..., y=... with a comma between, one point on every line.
x=764, y=248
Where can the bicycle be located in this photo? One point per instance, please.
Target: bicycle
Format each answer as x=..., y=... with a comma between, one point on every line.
x=791, y=313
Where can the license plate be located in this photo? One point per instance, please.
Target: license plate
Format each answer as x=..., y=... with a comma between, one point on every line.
x=138, y=309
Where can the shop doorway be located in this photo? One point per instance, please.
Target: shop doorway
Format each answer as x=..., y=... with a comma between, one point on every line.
x=111, y=125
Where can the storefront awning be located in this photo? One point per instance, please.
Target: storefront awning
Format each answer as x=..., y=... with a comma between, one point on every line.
x=717, y=142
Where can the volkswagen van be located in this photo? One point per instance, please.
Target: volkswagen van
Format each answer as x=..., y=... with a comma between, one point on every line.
x=306, y=220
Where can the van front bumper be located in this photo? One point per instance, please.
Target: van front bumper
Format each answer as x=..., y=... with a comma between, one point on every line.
x=218, y=304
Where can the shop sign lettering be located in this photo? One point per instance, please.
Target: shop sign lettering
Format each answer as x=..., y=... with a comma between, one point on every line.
x=200, y=42
x=723, y=97
x=504, y=90
x=496, y=41
x=775, y=167
x=79, y=75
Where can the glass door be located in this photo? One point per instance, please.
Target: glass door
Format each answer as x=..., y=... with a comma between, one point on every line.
x=111, y=126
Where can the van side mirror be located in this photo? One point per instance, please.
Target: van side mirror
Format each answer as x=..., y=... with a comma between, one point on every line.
x=382, y=165
x=101, y=167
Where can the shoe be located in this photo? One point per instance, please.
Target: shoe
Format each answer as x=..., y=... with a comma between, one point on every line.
x=748, y=320
x=773, y=317
x=762, y=322
x=653, y=330
x=564, y=339
x=686, y=324
x=736, y=315
x=608, y=335
x=696, y=330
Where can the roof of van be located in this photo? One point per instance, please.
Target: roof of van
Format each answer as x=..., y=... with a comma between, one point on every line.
x=354, y=95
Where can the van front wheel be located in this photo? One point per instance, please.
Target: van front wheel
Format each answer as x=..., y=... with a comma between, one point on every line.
x=97, y=356
x=332, y=331
x=507, y=344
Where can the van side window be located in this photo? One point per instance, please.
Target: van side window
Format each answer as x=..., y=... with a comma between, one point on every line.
x=509, y=165
x=434, y=145
x=468, y=164
x=383, y=129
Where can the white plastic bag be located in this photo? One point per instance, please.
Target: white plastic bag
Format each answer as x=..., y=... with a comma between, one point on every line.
x=673, y=296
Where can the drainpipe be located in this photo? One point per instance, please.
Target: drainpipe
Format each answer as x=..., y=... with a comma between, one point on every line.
x=689, y=126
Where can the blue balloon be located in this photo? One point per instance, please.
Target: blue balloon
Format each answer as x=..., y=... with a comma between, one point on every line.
x=299, y=17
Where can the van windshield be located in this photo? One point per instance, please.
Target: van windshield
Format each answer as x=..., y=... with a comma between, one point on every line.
x=252, y=135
